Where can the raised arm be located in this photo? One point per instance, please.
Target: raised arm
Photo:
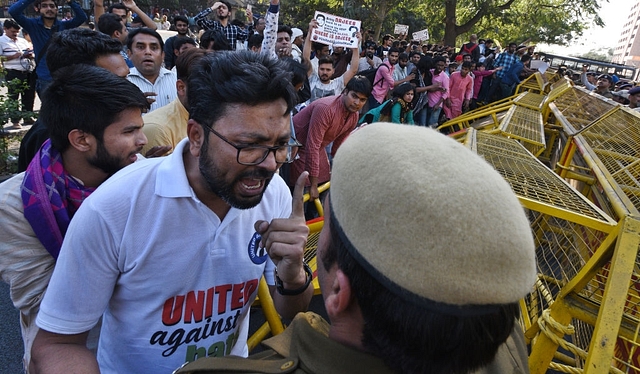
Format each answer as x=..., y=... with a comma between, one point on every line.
x=17, y=12
x=80, y=16
x=148, y=22
x=271, y=29
x=306, y=52
x=201, y=18
x=355, y=59
x=98, y=9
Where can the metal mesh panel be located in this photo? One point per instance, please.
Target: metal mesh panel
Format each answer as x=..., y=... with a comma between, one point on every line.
x=530, y=100
x=615, y=139
x=524, y=124
x=529, y=178
x=580, y=107
x=311, y=248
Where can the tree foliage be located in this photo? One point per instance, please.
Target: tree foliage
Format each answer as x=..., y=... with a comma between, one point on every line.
x=452, y=21
x=448, y=21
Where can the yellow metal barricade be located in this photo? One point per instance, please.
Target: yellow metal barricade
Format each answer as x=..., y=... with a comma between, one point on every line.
x=533, y=83
x=584, y=313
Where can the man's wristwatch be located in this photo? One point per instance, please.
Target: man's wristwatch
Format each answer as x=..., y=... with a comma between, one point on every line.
x=280, y=287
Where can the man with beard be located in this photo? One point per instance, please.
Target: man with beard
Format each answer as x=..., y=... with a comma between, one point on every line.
x=388, y=315
x=182, y=27
x=320, y=82
x=95, y=123
x=70, y=47
x=40, y=29
x=177, y=245
x=370, y=60
x=326, y=120
x=146, y=50
x=223, y=11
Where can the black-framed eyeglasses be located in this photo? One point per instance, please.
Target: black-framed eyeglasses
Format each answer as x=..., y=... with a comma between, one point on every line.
x=255, y=154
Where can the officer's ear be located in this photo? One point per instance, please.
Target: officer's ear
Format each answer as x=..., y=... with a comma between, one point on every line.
x=340, y=298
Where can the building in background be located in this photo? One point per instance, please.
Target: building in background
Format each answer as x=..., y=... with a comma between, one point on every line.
x=627, y=49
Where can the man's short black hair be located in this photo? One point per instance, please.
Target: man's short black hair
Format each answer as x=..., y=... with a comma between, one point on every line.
x=370, y=44
x=244, y=77
x=404, y=56
x=285, y=28
x=411, y=339
x=87, y=98
x=315, y=46
x=116, y=6
x=181, y=19
x=325, y=60
x=79, y=46
x=180, y=41
x=227, y=4
x=393, y=50
x=146, y=31
x=11, y=24
x=360, y=84
x=108, y=23
x=220, y=41
x=255, y=40
x=187, y=61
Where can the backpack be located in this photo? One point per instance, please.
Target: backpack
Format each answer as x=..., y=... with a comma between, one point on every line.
x=468, y=50
x=370, y=74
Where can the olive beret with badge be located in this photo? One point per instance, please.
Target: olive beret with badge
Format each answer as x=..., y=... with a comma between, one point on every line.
x=431, y=220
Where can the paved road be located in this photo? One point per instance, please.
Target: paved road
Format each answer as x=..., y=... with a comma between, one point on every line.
x=10, y=340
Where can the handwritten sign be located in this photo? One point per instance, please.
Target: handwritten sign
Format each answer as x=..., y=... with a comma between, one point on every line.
x=401, y=29
x=421, y=35
x=334, y=30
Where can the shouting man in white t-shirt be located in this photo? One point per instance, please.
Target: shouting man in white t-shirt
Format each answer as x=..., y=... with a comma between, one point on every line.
x=171, y=252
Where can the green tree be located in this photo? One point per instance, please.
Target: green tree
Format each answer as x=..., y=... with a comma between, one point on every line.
x=451, y=21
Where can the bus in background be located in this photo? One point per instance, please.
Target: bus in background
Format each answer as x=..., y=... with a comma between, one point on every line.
x=600, y=67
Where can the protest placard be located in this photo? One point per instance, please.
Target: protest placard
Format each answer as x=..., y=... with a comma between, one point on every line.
x=334, y=30
x=401, y=29
x=421, y=35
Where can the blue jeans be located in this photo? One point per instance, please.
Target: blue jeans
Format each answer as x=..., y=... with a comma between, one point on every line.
x=433, y=118
x=373, y=103
x=420, y=117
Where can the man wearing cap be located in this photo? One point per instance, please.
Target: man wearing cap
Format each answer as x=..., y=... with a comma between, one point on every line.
x=603, y=85
x=634, y=98
x=403, y=292
x=297, y=41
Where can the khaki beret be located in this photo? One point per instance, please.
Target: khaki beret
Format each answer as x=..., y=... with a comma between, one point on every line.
x=431, y=220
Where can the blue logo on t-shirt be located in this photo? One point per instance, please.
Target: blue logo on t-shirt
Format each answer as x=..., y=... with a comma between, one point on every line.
x=257, y=254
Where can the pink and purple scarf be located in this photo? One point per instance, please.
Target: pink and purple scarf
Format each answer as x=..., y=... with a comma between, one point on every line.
x=50, y=197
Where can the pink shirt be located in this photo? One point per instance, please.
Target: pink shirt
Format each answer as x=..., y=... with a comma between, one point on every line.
x=477, y=81
x=435, y=96
x=324, y=121
x=385, y=76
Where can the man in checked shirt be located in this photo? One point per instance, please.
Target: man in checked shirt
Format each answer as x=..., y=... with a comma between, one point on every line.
x=223, y=11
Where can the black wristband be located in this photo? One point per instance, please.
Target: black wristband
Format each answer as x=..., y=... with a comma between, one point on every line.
x=282, y=291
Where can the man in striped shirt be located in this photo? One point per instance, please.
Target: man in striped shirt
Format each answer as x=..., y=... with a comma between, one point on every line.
x=223, y=11
x=146, y=51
